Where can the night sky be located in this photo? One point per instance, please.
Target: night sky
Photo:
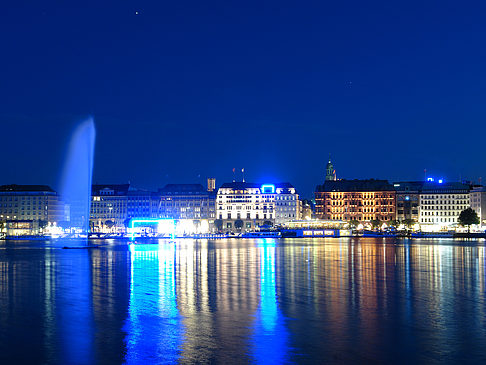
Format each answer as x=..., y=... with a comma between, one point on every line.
x=185, y=90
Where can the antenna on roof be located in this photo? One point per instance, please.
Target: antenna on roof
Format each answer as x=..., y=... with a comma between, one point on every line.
x=234, y=178
x=243, y=172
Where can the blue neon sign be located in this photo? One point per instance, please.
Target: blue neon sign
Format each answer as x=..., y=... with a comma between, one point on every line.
x=268, y=188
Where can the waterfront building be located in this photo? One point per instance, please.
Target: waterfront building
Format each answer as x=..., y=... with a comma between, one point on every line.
x=287, y=204
x=477, y=199
x=306, y=209
x=408, y=200
x=186, y=201
x=360, y=200
x=244, y=206
x=441, y=203
x=27, y=209
x=142, y=204
x=435, y=205
x=109, y=208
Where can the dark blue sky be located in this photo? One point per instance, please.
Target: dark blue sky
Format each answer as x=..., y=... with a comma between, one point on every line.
x=188, y=89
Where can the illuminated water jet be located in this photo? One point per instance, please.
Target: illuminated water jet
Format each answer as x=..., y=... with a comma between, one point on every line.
x=77, y=176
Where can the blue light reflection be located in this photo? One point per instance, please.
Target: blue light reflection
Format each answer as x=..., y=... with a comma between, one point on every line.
x=154, y=327
x=270, y=335
x=76, y=322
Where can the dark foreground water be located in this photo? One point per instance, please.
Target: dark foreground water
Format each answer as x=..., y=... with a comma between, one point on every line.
x=244, y=301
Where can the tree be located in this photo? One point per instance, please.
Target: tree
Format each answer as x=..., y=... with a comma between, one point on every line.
x=395, y=223
x=375, y=223
x=467, y=217
x=409, y=222
x=43, y=224
x=238, y=224
x=353, y=223
x=218, y=223
x=109, y=224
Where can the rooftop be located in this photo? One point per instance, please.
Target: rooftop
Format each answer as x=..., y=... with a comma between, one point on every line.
x=183, y=189
x=118, y=189
x=26, y=188
x=355, y=185
x=239, y=185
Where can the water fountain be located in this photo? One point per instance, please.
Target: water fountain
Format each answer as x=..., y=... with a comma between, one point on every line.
x=77, y=176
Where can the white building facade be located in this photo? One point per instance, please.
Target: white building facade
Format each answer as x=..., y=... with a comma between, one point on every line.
x=242, y=206
x=287, y=204
x=441, y=204
x=109, y=205
x=477, y=198
x=29, y=209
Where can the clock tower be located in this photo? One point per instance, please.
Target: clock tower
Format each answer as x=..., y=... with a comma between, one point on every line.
x=330, y=172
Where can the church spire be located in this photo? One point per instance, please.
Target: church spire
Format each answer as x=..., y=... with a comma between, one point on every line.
x=330, y=172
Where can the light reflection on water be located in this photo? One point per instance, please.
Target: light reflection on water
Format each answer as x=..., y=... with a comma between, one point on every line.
x=153, y=325
x=244, y=301
x=269, y=339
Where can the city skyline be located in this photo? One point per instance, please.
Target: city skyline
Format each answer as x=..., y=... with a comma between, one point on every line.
x=237, y=174
x=242, y=182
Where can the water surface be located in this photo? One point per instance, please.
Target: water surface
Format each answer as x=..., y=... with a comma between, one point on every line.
x=244, y=301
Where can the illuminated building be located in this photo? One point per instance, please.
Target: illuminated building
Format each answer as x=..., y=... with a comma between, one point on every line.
x=186, y=201
x=477, y=198
x=245, y=206
x=306, y=209
x=287, y=204
x=35, y=206
x=435, y=205
x=109, y=206
x=112, y=206
x=249, y=203
x=361, y=200
x=441, y=203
